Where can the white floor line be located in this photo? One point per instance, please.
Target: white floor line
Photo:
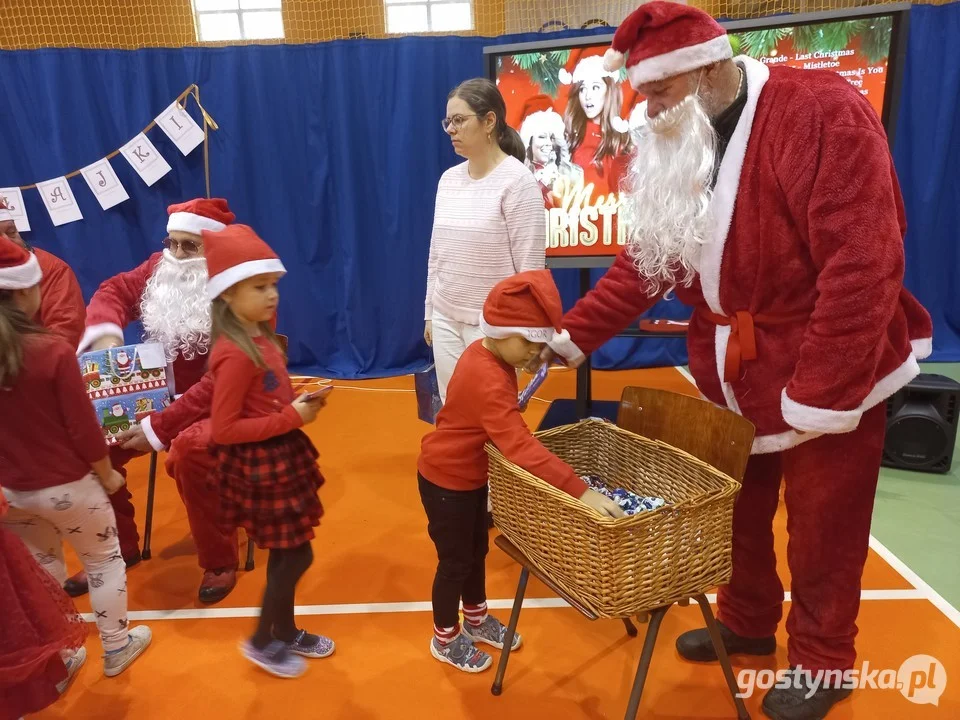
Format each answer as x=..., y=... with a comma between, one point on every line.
x=421, y=606
x=918, y=582
x=683, y=371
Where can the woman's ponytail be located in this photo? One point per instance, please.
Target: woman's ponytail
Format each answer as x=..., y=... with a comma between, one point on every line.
x=13, y=326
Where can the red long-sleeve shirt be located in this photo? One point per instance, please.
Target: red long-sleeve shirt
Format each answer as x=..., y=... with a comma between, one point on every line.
x=50, y=434
x=62, y=310
x=482, y=406
x=250, y=404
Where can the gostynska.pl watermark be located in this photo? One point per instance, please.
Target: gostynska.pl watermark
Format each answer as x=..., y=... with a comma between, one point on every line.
x=921, y=679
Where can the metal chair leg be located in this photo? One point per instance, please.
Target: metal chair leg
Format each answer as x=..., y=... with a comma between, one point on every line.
x=722, y=656
x=631, y=628
x=151, y=489
x=250, y=564
x=511, y=631
x=656, y=617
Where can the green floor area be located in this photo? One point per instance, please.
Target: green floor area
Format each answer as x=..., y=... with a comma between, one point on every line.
x=917, y=516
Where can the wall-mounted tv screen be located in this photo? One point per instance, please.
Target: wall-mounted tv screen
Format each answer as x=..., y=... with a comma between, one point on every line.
x=577, y=120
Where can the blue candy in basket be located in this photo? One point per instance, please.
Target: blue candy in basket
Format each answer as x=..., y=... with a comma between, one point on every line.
x=629, y=502
x=524, y=398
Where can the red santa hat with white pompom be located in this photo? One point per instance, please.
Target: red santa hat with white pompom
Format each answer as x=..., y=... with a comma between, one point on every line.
x=540, y=117
x=195, y=216
x=528, y=304
x=19, y=268
x=661, y=39
x=235, y=254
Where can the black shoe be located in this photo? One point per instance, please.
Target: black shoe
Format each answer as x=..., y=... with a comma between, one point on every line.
x=799, y=703
x=696, y=645
x=134, y=561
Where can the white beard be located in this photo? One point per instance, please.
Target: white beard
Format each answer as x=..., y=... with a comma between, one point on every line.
x=667, y=193
x=175, y=310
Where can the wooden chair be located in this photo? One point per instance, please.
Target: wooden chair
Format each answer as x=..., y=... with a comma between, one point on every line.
x=717, y=436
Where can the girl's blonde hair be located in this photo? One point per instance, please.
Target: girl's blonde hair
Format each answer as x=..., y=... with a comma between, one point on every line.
x=226, y=324
x=14, y=325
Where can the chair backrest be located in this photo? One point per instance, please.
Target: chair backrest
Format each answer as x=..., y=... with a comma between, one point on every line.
x=719, y=437
x=284, y=342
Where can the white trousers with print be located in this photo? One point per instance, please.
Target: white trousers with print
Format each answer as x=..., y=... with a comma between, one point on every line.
x=80, y=514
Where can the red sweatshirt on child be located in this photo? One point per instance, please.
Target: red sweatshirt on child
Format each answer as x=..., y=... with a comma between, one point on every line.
x=50, y=434
x=250, y=404
x=482, y=406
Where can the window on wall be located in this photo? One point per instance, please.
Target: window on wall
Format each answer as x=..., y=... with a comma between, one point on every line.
x=219, y=20
x=420, y=16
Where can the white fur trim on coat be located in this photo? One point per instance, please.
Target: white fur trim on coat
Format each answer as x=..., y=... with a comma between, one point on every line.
x=151, y=435
x=191, y=223
x=95, y=332
x=21, y=277
x=805, y=417
x=238, y=273
x=677, y=62
x=922, y=347
x=728, y=182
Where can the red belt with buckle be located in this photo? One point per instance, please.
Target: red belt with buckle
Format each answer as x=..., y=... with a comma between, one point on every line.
x=742, y=344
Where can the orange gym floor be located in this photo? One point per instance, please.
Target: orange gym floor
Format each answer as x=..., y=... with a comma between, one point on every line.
x=369, y=589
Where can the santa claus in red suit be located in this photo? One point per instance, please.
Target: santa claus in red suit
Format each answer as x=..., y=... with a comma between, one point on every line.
x=167, y=293
x=62, y=309
x=767, y=199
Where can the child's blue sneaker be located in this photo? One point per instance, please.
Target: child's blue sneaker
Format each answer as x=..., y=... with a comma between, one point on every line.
x=275, y=658
x=492, y=632
x=312, y=646
x=462, y=654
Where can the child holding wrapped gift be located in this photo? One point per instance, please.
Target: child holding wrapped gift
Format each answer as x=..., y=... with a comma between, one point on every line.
x=520, y=316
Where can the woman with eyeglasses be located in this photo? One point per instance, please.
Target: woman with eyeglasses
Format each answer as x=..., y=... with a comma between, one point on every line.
x=488, y=222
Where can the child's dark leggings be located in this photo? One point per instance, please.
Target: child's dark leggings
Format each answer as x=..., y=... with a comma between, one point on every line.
x=284, y=569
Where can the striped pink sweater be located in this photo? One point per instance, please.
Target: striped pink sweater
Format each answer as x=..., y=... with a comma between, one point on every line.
x=483, y=231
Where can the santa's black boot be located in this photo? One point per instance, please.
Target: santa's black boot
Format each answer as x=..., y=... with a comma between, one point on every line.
x=696, y=645
x=800, y=701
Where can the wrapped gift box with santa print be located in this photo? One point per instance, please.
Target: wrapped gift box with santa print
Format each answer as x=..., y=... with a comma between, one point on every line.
x=125, y=384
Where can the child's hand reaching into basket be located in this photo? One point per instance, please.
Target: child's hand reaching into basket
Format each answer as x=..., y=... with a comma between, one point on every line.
x=602, y=504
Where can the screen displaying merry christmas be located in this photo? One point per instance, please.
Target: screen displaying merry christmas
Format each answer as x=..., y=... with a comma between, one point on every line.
x=576, y=120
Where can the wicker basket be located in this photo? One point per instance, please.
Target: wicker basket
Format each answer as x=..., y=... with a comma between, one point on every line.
x=618, y=568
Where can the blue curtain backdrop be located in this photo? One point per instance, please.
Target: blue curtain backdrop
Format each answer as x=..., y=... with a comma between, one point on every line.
x=333, y=152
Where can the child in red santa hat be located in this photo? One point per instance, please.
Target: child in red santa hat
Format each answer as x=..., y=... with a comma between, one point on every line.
x=520, y=316
x=266, y=466
x=56, y=470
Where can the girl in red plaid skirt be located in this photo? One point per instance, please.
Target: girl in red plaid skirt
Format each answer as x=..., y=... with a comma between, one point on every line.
x=266, y=466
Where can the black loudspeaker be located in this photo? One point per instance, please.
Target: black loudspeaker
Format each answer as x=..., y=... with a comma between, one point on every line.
x=922, y=423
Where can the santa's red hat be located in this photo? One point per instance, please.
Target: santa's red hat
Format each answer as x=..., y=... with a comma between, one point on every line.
x=235, y=254
x=5, y=214
x=528, y=304
x=19, y=268
x=661, y=39
x=195, y=216
x=540, y=117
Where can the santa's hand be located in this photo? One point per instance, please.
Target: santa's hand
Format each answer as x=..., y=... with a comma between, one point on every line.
x=113, y=482
x=602, y=504
x=134, y=439
x=107, y=342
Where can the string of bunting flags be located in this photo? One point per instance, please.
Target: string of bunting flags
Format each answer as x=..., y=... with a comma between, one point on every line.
x=100, y=177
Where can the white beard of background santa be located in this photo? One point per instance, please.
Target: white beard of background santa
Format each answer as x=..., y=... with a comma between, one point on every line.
x=175, y=310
